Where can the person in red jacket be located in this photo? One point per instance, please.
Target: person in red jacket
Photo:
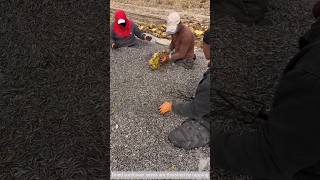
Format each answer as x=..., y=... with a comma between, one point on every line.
x=124, y=30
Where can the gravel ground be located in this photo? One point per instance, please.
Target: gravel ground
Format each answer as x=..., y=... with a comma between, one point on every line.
x=138, y=133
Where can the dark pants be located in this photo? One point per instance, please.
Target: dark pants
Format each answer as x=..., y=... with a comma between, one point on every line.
x=186, y=63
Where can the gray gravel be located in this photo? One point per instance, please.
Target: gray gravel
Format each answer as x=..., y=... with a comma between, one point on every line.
x=138, y=133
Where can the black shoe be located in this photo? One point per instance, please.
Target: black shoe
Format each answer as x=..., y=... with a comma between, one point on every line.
x=186, y=63
x=190, y=134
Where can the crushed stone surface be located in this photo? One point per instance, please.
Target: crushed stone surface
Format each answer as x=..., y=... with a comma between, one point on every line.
x=138, y=132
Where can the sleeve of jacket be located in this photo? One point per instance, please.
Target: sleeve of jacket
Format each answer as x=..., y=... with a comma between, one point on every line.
x=171, y=46
x=183, y=49
x=199, y=105
x=138, y=32
x=285, y=144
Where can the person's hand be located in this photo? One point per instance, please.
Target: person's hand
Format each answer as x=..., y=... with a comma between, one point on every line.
x=148, y=38
x=114, y=46
x=164, y=58
x=165, y=107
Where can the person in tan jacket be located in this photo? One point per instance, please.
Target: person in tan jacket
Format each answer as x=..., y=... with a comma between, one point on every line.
x=182, y=45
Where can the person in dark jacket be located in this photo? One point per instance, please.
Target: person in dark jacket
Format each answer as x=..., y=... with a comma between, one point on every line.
x=287, y=145
x=193, y=132
x=124, y=31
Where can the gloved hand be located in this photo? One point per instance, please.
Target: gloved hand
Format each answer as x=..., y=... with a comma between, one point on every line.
x=148, y=38
x=114, y=46
x=165, y=107
x=165, y=58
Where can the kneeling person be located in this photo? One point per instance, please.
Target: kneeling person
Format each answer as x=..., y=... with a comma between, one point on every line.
x=124, y=31
x=182, y=44
x=194, y=132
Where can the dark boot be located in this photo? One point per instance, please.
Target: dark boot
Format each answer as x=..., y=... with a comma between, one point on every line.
x=190, y=134
x=186, y=63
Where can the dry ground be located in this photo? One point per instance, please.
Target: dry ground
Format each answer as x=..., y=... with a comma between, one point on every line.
x=154, y=11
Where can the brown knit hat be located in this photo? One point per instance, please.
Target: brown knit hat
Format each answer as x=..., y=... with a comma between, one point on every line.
x=316, y=10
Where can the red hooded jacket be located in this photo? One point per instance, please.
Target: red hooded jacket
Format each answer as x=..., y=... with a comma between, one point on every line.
x=120, y=30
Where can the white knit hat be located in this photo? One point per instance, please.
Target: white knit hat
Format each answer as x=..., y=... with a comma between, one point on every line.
x=172, y=22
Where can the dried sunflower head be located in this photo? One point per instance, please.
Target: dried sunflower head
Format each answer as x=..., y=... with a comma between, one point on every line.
x=154, y=62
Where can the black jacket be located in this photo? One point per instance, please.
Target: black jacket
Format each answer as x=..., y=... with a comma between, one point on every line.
x=287, y=145
x=199, y=106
